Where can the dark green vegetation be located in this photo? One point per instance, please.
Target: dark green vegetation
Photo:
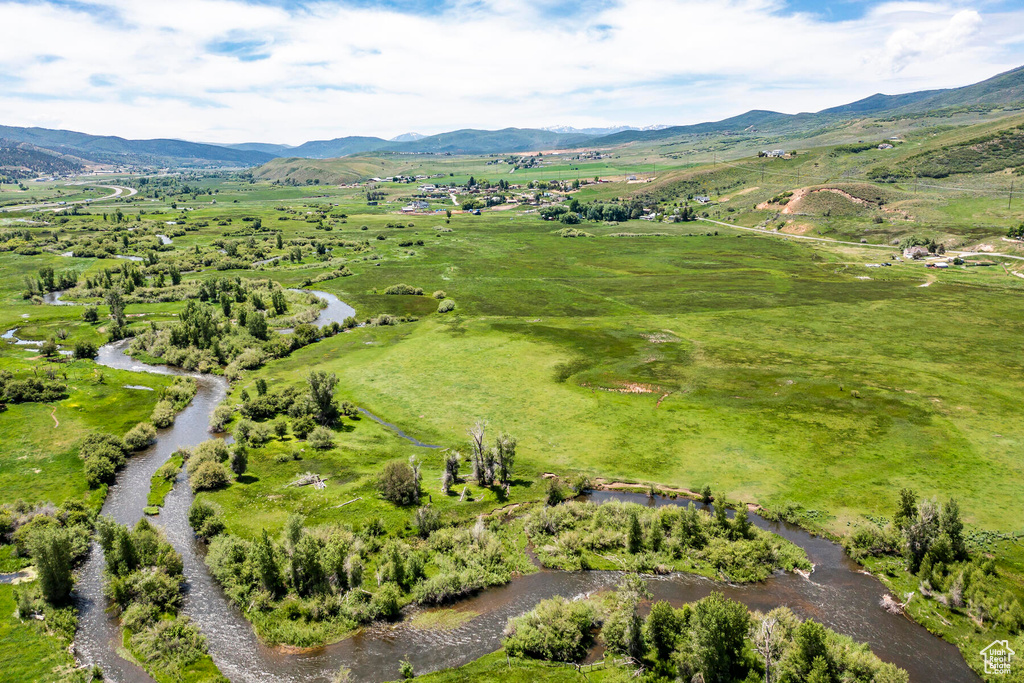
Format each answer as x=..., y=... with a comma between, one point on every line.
x=143, y=580
x=714, y=639
x=636, y=538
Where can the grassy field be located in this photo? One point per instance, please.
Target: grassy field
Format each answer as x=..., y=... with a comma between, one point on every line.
x=29, y=654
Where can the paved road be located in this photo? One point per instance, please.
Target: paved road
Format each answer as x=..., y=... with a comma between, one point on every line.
x=117, y=191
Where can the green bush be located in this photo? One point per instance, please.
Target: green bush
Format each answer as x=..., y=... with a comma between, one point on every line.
x=208, y=475
x=399, y=484
x=446, y=306
x=140, y=436
x=163, y=414
x=404, y=289
x=321, y=438
x=385, y=602
x=556, y=629
x=85, y=350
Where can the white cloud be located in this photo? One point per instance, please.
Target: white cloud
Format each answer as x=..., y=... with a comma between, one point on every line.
x=333, y=70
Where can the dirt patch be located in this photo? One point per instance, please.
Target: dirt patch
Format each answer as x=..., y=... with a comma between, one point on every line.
x=792, y=228
x=793, y=200
x=627, y=388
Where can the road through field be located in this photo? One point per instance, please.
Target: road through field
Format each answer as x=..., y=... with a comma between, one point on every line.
x=117, y=192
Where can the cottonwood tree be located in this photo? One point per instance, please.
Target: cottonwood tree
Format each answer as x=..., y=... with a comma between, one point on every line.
x=505, y=450
x=768, y=640
x=451, y=471
x=476, y=436
x=50, y=548
x=321, y=391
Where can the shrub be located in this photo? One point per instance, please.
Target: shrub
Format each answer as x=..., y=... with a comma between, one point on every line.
x=163, y=414
x=384, y=604
x=446, y=306
x=556, y=494
x=399, y=484
x=404, y=289
x=321, y=438
x=90, y=314
x=213, y=450
x=221, y=416
x=85, y=350
x=208, y=475
x=199, y=513
x=428, y=520
x=98, y=470
x=140, y=436
x=302, y=426
x=439, y=294
x=556, y=629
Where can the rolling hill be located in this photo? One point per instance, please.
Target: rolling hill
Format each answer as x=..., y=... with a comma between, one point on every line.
x=117, y=150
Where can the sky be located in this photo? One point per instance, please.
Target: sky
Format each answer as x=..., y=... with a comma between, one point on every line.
x=287, y=71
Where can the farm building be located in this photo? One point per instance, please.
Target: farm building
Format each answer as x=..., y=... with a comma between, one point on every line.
x=916, y=252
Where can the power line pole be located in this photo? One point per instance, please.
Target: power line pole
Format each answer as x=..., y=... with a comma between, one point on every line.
x=1010, y=198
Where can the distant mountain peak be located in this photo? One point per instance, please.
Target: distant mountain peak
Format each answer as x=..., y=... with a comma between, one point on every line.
x=609, y=130
x=407, y=137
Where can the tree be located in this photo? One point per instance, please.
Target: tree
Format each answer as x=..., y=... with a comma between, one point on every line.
x=634, y=534
x=115, y=300
x=321, y=438
x=662, y=628
x=49, y=348
x=256, y=324
x=705, y=495
x=225, y=304
x=239, y=461
x=768, y=641
x=307, y=571
x=208, y=475
x=953, y=527
x=505, y=447
x=810, y=651
x=478, y=455
x=278, y=301
x=919, y=534
x=741, y=523
x=321, y=391
x=451, y=471
x=265, y=564
x=906, y=510
x=721, y=518
x=51, y=550
x=715, y=640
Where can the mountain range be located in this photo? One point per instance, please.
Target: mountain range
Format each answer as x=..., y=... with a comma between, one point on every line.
x=52, y=149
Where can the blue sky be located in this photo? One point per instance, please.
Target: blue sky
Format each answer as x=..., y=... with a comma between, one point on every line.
x=292, y=70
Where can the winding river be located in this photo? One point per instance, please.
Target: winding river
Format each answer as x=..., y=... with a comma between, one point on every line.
x=838, y=593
